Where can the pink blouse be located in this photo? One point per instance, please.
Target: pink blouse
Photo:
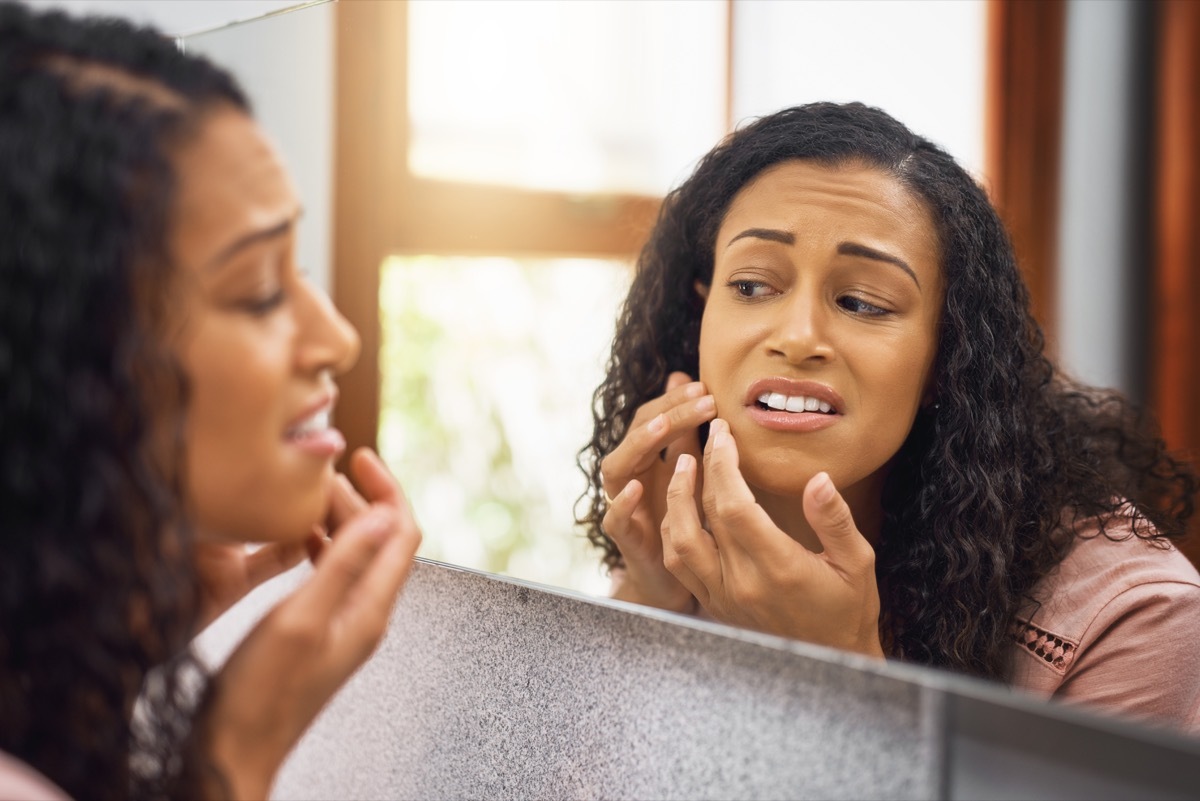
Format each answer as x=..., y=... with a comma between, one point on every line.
x=1118, y=628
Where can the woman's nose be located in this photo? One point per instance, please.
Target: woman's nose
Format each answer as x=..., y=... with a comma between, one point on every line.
x=328, y=340
x=800, y=332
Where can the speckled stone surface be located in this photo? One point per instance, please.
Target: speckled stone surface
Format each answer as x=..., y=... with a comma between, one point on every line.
x=490, y=689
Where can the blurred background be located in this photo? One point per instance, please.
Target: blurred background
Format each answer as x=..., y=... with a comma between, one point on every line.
x=480, y=174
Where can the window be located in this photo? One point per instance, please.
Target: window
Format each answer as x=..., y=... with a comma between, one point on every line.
x=590, y=96
x=486, y=392
x=499, y=166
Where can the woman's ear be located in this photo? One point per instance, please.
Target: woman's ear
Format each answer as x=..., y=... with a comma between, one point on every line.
x=929, y=399
x=701, y=288
x=929, y=396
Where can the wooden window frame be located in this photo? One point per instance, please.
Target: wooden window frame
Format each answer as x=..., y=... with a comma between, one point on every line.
x=1174, y=253
x=381, y=209
x=1023, y=131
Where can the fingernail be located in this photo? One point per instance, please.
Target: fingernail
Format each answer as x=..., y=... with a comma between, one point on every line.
x=683, y=462
x=695, y=390
x=720, y=433
x=706, y=404
x=824, y=490
x=656, y=424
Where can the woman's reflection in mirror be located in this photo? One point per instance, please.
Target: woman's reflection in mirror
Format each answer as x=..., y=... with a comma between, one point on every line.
x=828, y=414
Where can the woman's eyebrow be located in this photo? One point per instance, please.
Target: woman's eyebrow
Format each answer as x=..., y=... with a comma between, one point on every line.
x=855, y=249
x=770, y=234
x=845, y=248
x=251, y=238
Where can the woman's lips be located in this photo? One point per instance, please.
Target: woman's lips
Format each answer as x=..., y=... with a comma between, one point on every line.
x=326, y=443
x=314, y=435
x=323, y=443
x=791, y=421
x=814, y=406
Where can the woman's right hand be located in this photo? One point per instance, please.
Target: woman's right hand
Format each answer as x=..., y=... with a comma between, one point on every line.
x=636, y=475
x=296, y=659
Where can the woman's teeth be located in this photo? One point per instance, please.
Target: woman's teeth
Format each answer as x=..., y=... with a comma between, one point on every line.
x=793, y=403
x=318, y=422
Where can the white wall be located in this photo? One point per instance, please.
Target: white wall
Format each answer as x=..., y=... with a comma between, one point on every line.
x=1099, y=213
x=285, y=63
x=922, y=61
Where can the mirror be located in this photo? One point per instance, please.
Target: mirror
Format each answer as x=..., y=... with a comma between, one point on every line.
x=485, y=368
x=502, y=186
x=499, y=228
x=522, y=174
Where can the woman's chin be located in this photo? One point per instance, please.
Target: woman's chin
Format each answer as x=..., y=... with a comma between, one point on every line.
x=293, y=527
x=778, y=468
x=777, y=484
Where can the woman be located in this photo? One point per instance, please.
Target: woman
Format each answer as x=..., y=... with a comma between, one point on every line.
x=891, y=465
x=167, y=375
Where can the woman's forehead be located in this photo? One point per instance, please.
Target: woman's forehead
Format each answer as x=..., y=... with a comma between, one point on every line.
x=231, y=182
x=793, y=193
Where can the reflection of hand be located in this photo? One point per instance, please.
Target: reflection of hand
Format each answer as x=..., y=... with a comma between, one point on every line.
x=293, y=662
x=635, y=476
x=750, y=573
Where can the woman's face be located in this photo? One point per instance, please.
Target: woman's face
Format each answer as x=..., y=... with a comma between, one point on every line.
x=258, y=341
x=820, y=328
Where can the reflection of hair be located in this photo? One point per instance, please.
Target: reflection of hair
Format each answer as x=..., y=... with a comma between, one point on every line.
x=96, y=586
x=978, y=491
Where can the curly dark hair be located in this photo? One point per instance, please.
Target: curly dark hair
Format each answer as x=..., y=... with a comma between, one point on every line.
x=97, y=590
x=983, y=494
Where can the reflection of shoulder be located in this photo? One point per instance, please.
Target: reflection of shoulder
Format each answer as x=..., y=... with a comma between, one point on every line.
x=1106, y=573
x=1108, y=618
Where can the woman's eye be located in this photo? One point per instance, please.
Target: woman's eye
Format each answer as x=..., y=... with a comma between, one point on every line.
x=265, y=305
x=750, y=289
x=859, y=306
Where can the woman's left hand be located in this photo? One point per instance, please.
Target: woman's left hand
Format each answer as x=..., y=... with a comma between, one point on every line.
x=750, y=573
x=228, y=571
x=295, y=659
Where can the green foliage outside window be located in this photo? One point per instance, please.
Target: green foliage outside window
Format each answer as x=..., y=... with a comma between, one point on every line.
x=487, y=371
